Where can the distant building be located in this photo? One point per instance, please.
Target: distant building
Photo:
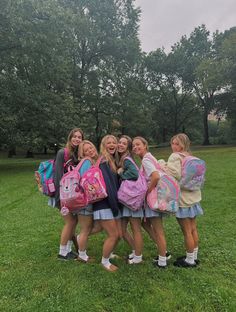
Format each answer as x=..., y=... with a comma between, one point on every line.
x=217, y=116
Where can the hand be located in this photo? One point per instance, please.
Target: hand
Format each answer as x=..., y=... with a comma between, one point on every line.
x=120, y=170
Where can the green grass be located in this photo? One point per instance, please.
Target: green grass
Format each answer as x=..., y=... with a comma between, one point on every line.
x=33, y=280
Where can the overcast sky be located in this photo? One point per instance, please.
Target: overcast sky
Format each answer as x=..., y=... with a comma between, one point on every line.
x=163, y=22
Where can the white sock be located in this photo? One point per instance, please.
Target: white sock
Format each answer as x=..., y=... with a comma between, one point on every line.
x=190, y=257
x=77, y=238
x=195, y=250
x=83, y=255
x=69, y=246
x=161, y=261
x=131, y=255
x=137, y=259
x=63, y=250
x=105, y=262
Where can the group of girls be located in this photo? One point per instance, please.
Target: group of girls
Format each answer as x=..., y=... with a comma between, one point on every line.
x=117, y=164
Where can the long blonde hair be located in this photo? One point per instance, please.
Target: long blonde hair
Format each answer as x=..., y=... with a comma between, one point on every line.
x=183, y=140
x=112, y=161
x=81, y=150
x=68, y=144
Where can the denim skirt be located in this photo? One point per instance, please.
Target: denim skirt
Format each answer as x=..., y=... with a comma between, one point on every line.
x=189, y=212
x=149, y=213
x=103, y=214
x=129, y=213
x=86, y=211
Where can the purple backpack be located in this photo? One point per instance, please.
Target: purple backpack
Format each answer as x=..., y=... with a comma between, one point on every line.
x=132, y=193
x=193, y=173
x=72, y=194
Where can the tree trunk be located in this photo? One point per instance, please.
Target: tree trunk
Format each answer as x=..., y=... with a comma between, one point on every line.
x=164, y=135
x=45, y=149
x=205, y=124
x=29, y=154
x=97, y=132
x=11, y=152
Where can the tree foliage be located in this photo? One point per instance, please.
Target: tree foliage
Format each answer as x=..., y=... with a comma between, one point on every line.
x=67, y=63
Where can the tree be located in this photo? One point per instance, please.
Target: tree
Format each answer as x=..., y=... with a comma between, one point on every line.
x=201, y=70
x=54, y=70
x=173, y=104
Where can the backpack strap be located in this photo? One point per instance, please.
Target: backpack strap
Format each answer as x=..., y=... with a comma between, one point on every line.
x=183, y=155
x=150, y=157
x=153, y=160
x=66, y=154
x=98, y=161
x=67, y=158
x=133, y=162
x=81, y=163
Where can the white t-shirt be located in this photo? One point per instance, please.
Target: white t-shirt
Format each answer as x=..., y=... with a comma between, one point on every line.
x=148, y=166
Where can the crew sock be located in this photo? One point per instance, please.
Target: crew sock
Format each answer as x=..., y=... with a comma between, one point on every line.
x=190, y=257
x=161, y=261
x=83, y=255
x=63, y=250
x=195, y=251
x=105, y=262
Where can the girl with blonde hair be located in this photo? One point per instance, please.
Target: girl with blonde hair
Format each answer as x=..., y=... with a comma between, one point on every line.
x=107, y=210
x=85, y=216
x=189, y=203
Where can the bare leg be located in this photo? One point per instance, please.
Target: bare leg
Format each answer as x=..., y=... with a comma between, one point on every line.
x=160, y=235
x=86, y=223
x=194, y=232
x=124, y=233
x=68, y=229
x=112, y=236
x=186, y=227
x=96, y=228
x=137, y=233
x=147, y=226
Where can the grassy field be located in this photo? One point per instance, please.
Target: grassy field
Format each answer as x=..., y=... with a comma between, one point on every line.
x=33, y=280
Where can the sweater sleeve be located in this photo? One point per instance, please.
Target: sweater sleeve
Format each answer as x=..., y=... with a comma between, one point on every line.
x=58, y=173
x=174, y=165
x=130, y=171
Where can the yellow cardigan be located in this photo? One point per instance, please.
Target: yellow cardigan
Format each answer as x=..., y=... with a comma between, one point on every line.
x=187, y=198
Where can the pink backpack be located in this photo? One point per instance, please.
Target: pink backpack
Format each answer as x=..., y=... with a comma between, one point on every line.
x=132, y=193
x=165, y=196
x=93, y=183
x=193, y=173
x=72, y=195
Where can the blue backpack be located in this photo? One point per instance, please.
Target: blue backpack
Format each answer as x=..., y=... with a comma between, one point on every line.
x=45, y=174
